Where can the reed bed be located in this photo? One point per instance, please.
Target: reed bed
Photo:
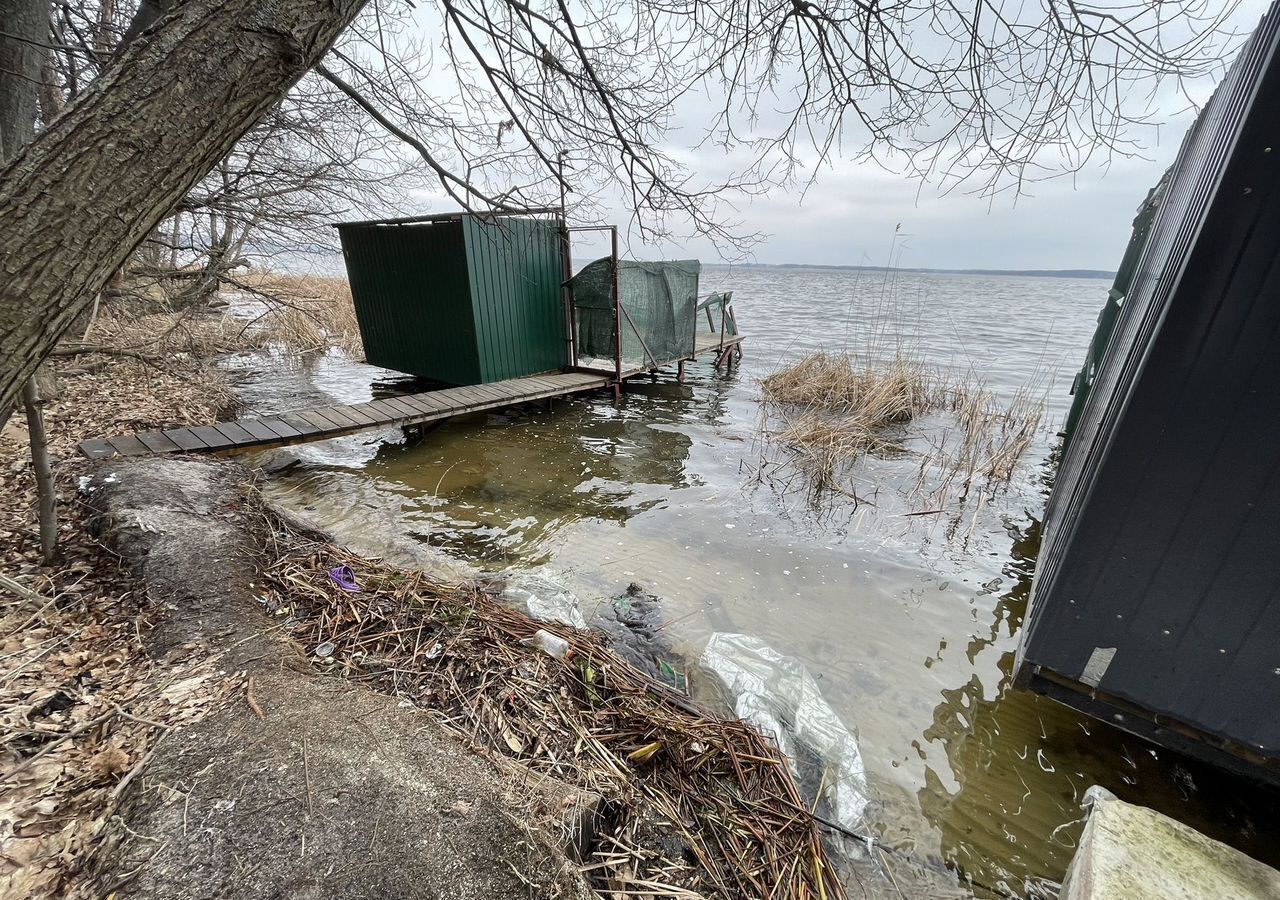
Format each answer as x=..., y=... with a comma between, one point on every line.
x=696, y=805
x=830, y=410
x=305, y=313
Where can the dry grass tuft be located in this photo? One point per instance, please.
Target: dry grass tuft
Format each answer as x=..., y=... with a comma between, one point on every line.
x=871, y=397
x=829, y=411
x=699, y=805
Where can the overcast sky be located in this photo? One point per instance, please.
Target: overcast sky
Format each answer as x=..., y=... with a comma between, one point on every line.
x=849, y=214
x=1080, y=221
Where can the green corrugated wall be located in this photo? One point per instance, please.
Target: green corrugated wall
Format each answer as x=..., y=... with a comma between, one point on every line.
x=515, y=272
x=463, y=301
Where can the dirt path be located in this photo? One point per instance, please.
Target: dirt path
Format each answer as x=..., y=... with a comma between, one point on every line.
x=293, y=786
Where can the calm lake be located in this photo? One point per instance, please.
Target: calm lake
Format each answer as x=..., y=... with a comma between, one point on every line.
x=909, y=622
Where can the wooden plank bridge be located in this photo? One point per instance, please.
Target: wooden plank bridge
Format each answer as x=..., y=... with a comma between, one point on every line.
x=335, y=420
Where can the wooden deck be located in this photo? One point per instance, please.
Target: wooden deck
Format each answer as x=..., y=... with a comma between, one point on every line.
x=705, y=343
x=318, y=423
x=321, y=422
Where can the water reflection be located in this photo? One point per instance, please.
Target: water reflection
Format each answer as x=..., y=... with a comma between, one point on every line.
x=497, y=490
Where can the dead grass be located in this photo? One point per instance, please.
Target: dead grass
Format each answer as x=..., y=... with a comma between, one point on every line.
x=869, y=396
x=82, y=704
x=305, y=313
x=830, y=410
x=699, y=806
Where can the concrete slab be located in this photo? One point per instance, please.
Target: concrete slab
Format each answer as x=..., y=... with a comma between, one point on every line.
x=1130, y=852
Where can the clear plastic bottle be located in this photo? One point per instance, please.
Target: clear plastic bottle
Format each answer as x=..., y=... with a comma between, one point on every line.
x=548, y=643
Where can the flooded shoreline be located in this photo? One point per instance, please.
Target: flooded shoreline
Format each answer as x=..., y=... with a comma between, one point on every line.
x=908, y=623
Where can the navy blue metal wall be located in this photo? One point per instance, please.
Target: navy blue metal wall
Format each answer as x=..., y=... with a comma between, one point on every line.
x=1156, y=603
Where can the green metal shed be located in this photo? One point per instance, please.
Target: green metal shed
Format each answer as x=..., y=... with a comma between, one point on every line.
x=459, y=298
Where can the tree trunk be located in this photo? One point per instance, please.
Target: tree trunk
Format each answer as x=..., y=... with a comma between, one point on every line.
x=25, y=25
x=81, y=196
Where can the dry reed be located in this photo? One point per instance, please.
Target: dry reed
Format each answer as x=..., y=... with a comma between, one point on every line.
x=664, y=768
x=829, y=411
x=304, y=313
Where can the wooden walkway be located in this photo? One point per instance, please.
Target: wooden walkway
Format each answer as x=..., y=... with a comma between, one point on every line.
x=318, y=423
x=321, y=422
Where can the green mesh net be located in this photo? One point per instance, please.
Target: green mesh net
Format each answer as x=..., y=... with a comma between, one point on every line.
x=659, y=303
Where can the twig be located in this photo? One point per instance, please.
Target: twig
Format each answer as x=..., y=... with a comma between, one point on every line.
x=306, y=774
x=132, y=773
x=253, y=703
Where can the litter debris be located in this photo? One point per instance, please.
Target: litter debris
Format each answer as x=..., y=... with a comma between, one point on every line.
x=777, y=694
x=685, y=785
x=548, y=643
x=344, y=578
x=544, y=599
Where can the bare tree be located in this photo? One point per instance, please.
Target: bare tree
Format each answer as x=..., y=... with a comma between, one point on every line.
x=987, y=95
x=99, y=177
x=313, y=158
x=996, y=92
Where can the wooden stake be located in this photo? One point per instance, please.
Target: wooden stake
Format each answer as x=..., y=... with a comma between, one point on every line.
x=46, y=491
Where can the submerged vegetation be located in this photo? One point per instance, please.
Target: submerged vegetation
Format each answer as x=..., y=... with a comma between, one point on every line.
x=831, y=409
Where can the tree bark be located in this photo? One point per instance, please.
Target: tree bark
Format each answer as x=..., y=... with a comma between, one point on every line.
x=81, y=196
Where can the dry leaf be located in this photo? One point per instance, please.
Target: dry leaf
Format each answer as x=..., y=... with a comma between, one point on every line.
x=108, y=762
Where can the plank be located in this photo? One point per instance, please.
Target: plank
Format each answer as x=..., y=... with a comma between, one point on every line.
x=128, y=445
x=212, y=437
x=341, y=420
x=280, y=427
x=317, y=421
x=499, y=393
x=237, y=435
x=304, y=428
x=420, y=408
x=470, y=398
x=384, y=416
x=96, y=448
x=405, y=411
x=185, y=439
x=390, y=414
x=542, y=383
x=156, y=442
x=358, y=415
x=427, y=402
x=259, y=429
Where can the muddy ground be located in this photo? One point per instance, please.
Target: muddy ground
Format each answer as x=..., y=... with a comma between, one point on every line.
x=299, y=787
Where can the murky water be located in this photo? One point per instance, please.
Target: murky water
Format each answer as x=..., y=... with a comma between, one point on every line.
x=909, y=622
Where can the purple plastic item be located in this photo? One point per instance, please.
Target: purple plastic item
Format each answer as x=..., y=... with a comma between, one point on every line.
x=344, y=578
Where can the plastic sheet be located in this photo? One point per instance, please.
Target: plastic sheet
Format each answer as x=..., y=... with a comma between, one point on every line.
x=777, y=695
x=544, y=599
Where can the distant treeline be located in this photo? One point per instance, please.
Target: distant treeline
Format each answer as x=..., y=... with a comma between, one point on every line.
x=1038, y=273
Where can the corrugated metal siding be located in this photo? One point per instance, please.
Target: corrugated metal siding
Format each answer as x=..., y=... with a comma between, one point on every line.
x=413, y=298
x=1160, y=536
x=515, y=273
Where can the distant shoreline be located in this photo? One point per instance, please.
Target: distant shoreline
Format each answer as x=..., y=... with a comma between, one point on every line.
x=1029, y=273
